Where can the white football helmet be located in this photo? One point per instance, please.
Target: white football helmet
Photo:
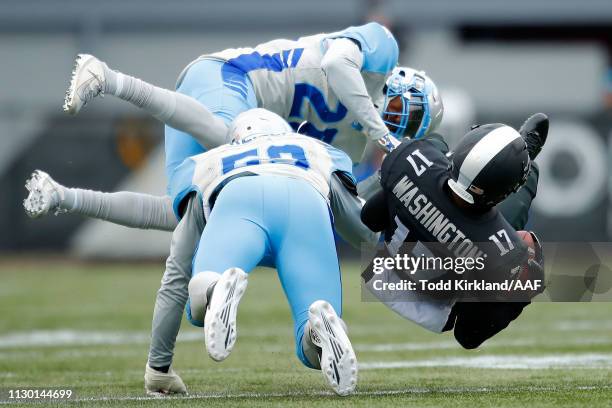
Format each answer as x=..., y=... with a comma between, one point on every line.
x=422, y=107
x=256, y=123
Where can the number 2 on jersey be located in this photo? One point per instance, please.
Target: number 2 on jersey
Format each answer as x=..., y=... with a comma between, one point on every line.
x=306, y=92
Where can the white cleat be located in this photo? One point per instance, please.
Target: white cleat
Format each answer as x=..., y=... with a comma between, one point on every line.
x=86, y=83
x=44, y=195
x=220, y=320
x=338, y=361
x=160, y=384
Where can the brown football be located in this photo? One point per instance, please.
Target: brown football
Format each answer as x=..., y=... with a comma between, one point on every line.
x=528, y=240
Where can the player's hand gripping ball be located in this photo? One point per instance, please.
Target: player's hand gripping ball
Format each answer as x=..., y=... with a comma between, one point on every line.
x=533, y=270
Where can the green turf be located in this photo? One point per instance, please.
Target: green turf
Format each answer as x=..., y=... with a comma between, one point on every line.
x=263, y=370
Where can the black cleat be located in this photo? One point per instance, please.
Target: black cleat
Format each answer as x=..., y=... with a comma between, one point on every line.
x=535, y=130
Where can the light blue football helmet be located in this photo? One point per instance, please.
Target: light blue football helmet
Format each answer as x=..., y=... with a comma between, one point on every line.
x=422, y=107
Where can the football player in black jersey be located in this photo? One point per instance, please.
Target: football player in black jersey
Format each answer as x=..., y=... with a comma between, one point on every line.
x=430, y=196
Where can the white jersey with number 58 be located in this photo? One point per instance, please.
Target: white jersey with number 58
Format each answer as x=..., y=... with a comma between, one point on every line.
x=291, y=155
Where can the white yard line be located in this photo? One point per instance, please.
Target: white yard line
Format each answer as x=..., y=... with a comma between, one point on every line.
x=55, y=338
x=583, y=325
x=507, y=361
x=68, y=337
x=445, y=345
x=408, y=391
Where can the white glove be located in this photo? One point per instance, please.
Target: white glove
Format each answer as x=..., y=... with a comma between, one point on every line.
x=158, y=383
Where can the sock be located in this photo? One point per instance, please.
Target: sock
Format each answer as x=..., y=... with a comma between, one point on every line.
x=177, y=110
x=312, y=352
x=201, y=288
x=65, y=198
x=159, y=102
x=125, y=208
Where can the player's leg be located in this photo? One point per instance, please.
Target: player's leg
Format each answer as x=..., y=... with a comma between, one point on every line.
x=135, y=210
x=232, y=244
x=515, y=208
x=92, y=77
x=307, y=264
x=204, y=82
x=477, y=322
x=170, y=301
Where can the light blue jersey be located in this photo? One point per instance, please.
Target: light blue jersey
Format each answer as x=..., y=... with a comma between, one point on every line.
x=293, y=155
x=286, y=78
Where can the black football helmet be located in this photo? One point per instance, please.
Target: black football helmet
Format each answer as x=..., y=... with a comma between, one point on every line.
x=490, y=162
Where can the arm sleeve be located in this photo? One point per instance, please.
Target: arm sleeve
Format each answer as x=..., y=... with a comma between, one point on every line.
x=372, y=158
x=173, y=293
x=342, y=64
x=346, y=207
x=370, y=186
x=375, y=213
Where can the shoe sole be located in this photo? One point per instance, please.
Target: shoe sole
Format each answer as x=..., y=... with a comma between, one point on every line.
x=220, y=320
x=79, y=63
x=34, y=204
x=338, y=361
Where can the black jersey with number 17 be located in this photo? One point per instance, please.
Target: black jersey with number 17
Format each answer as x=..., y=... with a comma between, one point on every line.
x=419, y=208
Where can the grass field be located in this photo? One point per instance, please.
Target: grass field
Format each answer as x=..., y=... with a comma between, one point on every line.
x=86, y=327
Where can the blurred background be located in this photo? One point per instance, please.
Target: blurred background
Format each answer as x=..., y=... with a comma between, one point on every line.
x=494, y=61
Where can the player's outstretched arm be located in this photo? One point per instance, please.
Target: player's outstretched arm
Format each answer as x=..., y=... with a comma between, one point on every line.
x=135, y=210
x=346, y=207
x=342, y=64
x=173, y=293
x=92, y=77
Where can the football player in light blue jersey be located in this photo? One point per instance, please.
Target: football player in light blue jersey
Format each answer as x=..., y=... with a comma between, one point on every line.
x=330, y=81
x=263, y=198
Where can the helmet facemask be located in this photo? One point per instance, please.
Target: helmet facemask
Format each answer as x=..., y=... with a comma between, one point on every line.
x=412, y=119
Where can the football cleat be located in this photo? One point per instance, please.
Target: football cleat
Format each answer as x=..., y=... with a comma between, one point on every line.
x=220, y=319
x=45, y=195
x=86, y=83
x=338, y=361
x=158, y=383
x=535, y=130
